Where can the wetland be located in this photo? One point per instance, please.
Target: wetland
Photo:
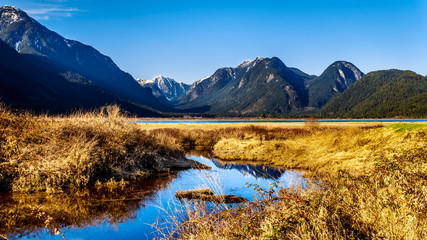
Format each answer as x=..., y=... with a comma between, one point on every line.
x=99, y=175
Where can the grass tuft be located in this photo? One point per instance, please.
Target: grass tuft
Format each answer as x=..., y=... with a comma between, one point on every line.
x=388, y=202
x=41, y=153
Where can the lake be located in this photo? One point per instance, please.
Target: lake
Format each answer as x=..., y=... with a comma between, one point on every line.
x=129, y=213
x=280, y=121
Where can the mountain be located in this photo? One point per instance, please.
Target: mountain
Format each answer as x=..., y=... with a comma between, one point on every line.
x=210, y=85
x=303, y=75
x=261, y=86
x=336, y=78
x=27, y=84
x=70, y=58
x=165, y=88
x=381, y=94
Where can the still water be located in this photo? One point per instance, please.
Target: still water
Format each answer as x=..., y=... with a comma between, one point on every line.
x=279, y=121
x=129, y=213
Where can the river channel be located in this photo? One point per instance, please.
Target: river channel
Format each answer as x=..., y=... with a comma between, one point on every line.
x=131, y=212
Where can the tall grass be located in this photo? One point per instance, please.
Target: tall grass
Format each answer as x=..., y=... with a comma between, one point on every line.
x=202, y=139
x=324, y=151
x=53, y=153
x=388, y=202
x=373, y=187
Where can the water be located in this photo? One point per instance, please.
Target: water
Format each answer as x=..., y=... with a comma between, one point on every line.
x=130, y=213
x=277, y=121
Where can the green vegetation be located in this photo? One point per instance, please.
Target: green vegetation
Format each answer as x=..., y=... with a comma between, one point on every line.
x=48, y=153
x=322, y=88
x=380, y=94
x=404, y=127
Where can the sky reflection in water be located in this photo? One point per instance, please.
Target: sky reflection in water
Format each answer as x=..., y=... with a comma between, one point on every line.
x=130, y=214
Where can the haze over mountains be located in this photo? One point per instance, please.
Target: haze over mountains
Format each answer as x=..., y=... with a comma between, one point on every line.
x=42, y=71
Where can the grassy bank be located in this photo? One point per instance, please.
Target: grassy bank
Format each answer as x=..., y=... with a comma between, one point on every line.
x=374, y=187
x=53, y=153
x=206, y=138
x=326, y=151
x=388, y=202
x=374, y=178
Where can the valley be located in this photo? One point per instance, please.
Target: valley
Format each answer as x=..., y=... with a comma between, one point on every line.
x=60, y=75
x=106, y=170
x=255, y=150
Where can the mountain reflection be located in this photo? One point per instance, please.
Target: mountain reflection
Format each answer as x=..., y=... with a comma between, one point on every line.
x=256, y=171
x=22, y=214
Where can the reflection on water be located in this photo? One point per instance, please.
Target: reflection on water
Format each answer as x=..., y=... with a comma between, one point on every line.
x=128, y=213
x=256, y=171
x=24, y=214
x=274, y=121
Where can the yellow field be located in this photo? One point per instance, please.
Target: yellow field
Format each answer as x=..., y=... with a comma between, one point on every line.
x=373, y=174
x=373, y=180
x=211, y=126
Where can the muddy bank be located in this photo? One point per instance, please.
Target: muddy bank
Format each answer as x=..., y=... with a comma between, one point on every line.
x=209, y=196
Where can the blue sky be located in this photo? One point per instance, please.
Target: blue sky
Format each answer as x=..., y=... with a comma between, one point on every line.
x=188, y=40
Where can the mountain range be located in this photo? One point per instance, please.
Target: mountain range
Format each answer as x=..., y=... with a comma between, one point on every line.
x=267, y=86
x=165, y=89
x=44, y=72
x=31, y=85
x=73, y=61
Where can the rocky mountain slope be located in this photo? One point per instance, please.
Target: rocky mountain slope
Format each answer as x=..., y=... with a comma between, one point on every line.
x=336, y=78
x=42, y=71
x=31, y=85
x=165, y=88
x=261, y=86
x=70, y=58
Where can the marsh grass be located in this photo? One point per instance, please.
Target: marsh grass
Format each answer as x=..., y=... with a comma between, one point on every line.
x=373, y=186
x=206, y=139
x=388, y=202
x=324, y=151
x=79, y=150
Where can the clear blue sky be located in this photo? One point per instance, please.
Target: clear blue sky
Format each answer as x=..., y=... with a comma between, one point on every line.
x=188, y=40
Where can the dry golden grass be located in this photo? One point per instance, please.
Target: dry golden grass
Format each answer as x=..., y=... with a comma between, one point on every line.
x=324, y=151
x=388, y=202
x=374, y=178
x=52, y=153
x=373, y=186
x=215, y=126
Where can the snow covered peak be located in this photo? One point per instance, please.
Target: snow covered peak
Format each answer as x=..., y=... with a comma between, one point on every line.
x=8, y=7
x=11, y=14
x=203, y=79
x=161, y=78
x=249, y=63
x=245, y=63
x=165, y=87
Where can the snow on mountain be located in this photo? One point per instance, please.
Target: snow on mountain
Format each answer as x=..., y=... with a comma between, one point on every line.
x=165, y=87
